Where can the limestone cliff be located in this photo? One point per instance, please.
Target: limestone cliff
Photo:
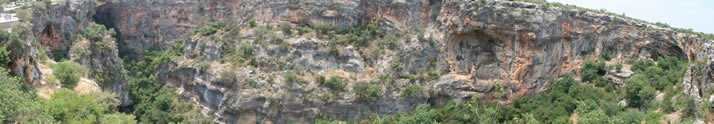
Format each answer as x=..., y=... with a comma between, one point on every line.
x=56, y=30
x=479, y=46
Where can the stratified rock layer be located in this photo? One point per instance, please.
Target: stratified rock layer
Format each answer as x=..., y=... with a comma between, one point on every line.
x=513, y=45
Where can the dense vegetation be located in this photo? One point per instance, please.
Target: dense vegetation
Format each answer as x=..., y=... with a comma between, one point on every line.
x=154, y=102
x=568, y=100
x=18, y=103
x=68, y=73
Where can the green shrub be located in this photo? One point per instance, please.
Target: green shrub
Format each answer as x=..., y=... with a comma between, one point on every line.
x=325, y=97
x=18, y=102
x=411, y=77
x=286, y=29
x=640, y=66
x=246, y=50
x=319, y=79
x=411, y=90
x=5, y=57
x=301, y=30
x=323, y=29
x=433, y=75
x=600, y=82
x=69, y=107
x=234, y=30
x=24, y=14
x=68, y=73
x=208, y=30
x=96, y=32
x=368, y=92
x=252, y=23
x=292, y=77
x=592, y=70
x=335, y=83
x=333, y=50
x=118, y=118
x=228, y=77
x=630, y=117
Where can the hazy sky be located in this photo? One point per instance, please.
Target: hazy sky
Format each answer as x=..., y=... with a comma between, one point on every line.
x=695, y=14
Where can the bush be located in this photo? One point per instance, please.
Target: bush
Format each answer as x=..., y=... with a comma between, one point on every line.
x=228, y=77
x=252, y=23
x=70, y=107
x=207, y=31
x=335, y=83
x=319, y=79
x=301, y=30
x=333, y=50
x=325, y=97
x=369, y=92
x=286, y=29
x=292, y=77
x=24, y=14
x=433, y=75
x=592, y=70
x=323, y=29
x=411, y=90
x=411, y=77
x=640, y=66
x=606, y=55
x=630, y=117
x=96, y=32
x=68, y=73
x=246, y=50
x=17, y=102
x=118, y=118
x=5, y=57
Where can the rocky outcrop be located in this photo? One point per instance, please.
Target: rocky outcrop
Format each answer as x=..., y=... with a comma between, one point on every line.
x=56, y=27
x=479, y=46
x=25, y=55
x=102, y=60
x=144, y=24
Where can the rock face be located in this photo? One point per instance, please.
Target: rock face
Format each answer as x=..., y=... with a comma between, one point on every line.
x=102, y=60
x=56, y=29
x=26, y=56
x=478, y=46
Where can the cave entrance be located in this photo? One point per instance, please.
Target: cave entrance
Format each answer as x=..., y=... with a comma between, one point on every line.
x=663, y=48
x=54, y=42
x=470, y=51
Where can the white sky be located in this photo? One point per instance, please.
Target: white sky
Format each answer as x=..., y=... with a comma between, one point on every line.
x=695, y=14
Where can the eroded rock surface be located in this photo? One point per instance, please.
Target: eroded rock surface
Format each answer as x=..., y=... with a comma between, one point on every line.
x=513, y=45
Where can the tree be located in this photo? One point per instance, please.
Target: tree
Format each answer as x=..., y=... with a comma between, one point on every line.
x=118, y=118
x=591, y=70
x=17, y=101
x=252, y=23
x=70, y=107
x=99, y=35
x=633, y=86
x=335, y=83
x=24, y=14
x=5, y=57
x=368, y=92
x=67, y=72
x=630, y=117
